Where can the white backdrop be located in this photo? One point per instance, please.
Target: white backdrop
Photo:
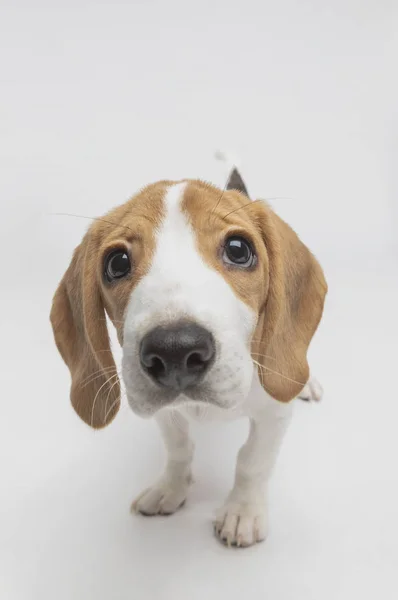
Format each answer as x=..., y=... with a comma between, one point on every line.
x=100, y=98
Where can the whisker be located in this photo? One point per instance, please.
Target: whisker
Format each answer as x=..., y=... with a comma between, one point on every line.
x=277, y=198
x=91, y=375
x=91, y=219
x=97, y=394
x=107, y=399
x=263, y=355
x=243, y=206
x=261, y=374
x=111, y=408
x=277, y=373
x=219, y=200
x=96, y=375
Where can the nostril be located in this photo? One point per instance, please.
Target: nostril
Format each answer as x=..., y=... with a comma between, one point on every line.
x=196, y=362
x=155, y=366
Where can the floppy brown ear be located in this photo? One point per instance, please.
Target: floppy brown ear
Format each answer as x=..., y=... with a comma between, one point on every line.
x=293, y=309
x=79, y=326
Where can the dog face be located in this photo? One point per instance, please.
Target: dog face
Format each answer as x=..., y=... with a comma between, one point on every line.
x=201, y=285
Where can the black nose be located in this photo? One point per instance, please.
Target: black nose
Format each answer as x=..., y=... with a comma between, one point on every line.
x=177, y=356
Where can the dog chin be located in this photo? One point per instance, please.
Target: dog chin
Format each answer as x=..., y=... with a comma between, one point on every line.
x=144, y=410
x=148, y=405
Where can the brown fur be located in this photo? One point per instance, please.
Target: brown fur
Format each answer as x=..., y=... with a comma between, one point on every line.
x=292, y=311
x=286, y=289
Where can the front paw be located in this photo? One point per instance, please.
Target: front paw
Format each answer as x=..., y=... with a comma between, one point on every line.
x=163, y=498
x=241, y=524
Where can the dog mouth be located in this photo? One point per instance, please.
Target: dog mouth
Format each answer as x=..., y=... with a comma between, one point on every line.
x=201, y=393
x=147, y=402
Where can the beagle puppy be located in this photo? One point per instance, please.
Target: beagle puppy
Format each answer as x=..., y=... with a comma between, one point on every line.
x=215, y=300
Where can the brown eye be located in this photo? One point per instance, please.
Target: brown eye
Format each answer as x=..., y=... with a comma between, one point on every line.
x=238, y=251
x=117, y=265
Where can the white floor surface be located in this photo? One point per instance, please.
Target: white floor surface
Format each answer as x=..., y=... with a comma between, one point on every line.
x=66, y=531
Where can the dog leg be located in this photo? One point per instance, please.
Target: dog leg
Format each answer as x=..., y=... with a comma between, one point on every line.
x=170, y=491
x=243, y=519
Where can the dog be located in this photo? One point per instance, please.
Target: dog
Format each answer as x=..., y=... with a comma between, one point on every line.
x=215, y=301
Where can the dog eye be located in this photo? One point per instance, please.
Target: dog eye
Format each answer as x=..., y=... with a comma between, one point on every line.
x=117, y=265
x=238, y=251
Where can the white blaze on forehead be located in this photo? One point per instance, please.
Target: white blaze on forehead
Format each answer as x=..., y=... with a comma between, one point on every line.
x=176, y=254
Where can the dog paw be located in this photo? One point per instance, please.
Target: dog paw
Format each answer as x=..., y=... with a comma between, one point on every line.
x=312, y=391
x=163, y=498
x=241, y=524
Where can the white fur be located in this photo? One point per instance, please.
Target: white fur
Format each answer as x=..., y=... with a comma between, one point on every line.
x=180, y=285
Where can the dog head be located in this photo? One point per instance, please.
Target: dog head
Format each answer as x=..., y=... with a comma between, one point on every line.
x=202, y=286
